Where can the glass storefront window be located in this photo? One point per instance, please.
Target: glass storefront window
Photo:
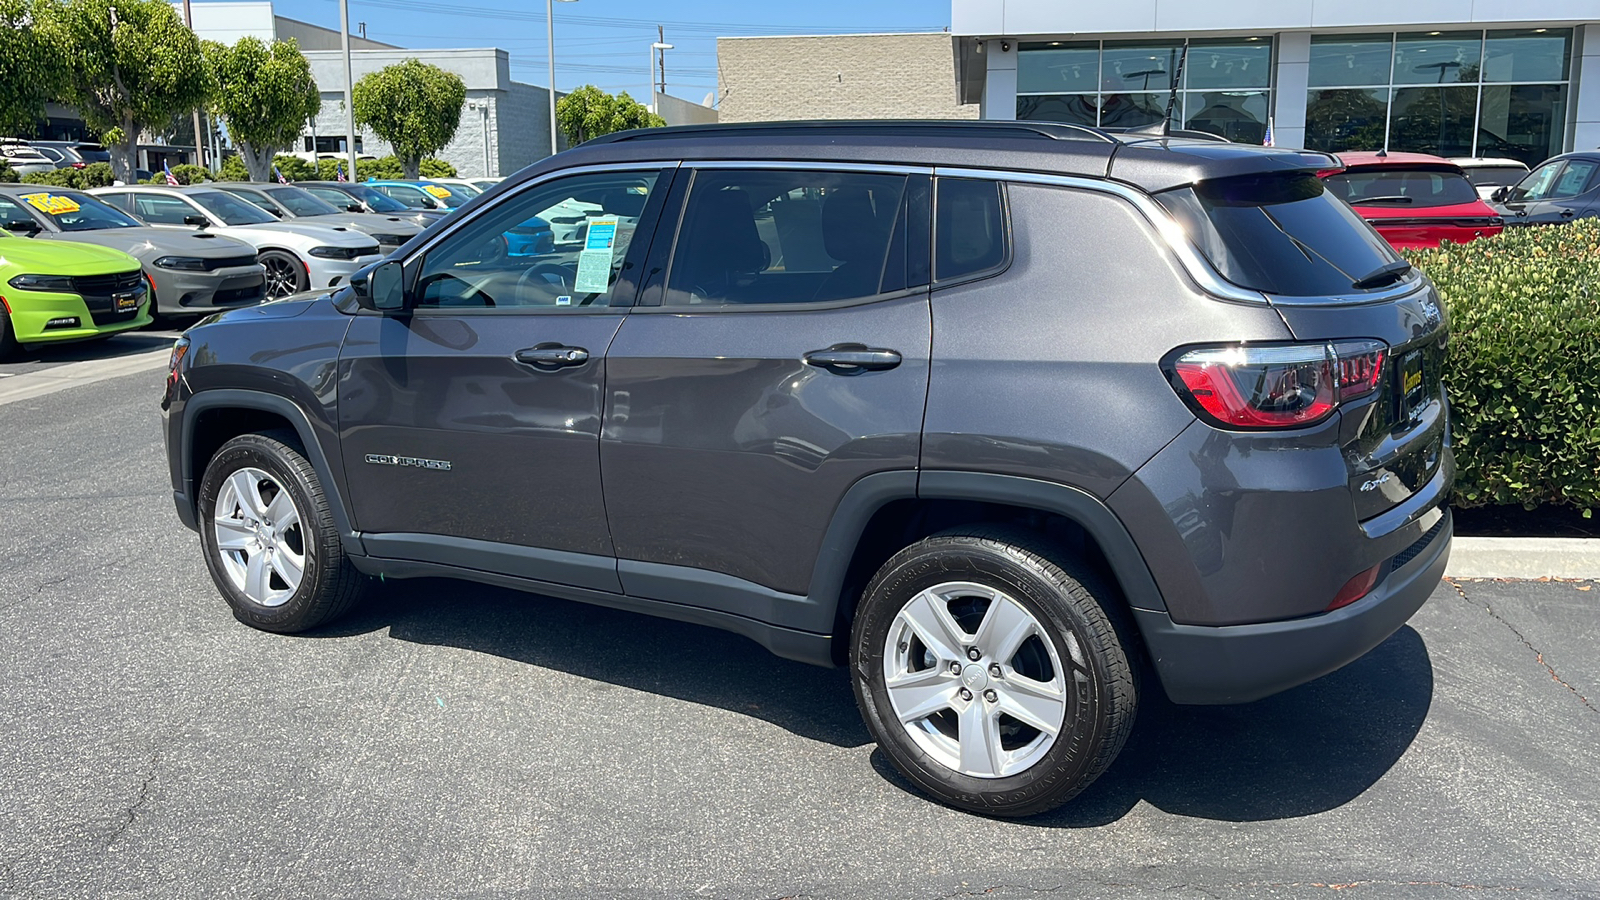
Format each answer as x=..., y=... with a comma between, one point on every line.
x=1140, y=66
x=1435, y=120
x=1438, y=58
x=1058, y=67
x=1074, y=109
x=1346, y=119
x=1475, y=93
x=1537, y=54
x=1524, y=121
x=1351, y=60
x=1239, y=116
x=1234, y=64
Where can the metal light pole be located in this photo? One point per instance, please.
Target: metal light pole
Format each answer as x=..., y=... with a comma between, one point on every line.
x=199, y=150
x=657, y=47
x=349, y=92
x=550, y=38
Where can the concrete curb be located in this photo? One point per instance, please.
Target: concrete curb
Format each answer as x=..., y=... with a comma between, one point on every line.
x=1523, y=557
x=38, y=384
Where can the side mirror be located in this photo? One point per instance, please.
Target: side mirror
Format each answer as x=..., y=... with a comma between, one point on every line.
x=380, y=287
x=22, y=227
x=196, y=221
x=1500, y=194
x=354, y=207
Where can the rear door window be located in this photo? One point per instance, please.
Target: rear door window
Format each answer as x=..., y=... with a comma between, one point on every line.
x=1574, y=179
x=1403, y=188
x=760, y=236
x=1279, y=233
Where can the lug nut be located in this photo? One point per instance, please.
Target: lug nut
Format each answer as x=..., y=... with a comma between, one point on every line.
x=903, y=646
x=974, y=654
x=955, y=668
x=966, y=694
x=994, y=670
x=991, y=696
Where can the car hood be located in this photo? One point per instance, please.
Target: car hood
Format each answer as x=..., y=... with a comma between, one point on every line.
x=308, y=233
x=372, y=223
x=148, y=242
x=53, y=258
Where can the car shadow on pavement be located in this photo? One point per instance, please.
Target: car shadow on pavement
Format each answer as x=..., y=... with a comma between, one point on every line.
x=1305, y=751
x=672, y=659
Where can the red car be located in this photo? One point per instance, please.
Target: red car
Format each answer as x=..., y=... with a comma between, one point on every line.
x=1413, y=199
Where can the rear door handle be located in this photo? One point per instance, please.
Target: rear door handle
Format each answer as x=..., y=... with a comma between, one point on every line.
x=550, y=357
x=849, y=359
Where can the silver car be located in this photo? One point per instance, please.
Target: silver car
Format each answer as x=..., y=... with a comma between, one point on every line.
x=287, y=202
x=23, y=159
x=297, y=256
x=191, y=273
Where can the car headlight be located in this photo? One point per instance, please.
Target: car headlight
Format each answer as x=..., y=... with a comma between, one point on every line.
x=186, y=263
x=341, y=252
x=58, y=283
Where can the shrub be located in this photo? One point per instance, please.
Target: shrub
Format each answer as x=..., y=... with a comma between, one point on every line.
x=387, y=168
x=433, y=167
x=233, y=169
x=1521, y=367
x=186, y=173
x=91, y=176
x=7, y=174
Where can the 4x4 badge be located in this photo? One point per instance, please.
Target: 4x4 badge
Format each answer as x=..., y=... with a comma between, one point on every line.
x=383, y=459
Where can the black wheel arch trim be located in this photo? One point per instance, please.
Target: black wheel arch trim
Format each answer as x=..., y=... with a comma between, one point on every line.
x=188, y=496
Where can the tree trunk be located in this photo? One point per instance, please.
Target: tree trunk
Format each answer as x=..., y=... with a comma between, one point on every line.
x=258, y=161
x=125, y=153
x=412, y=166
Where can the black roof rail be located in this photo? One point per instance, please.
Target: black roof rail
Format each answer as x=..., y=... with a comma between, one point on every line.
x=1059, y=131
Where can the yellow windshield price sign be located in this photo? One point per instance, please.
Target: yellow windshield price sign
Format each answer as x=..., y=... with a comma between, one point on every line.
x=52, y=204
x=437, y=191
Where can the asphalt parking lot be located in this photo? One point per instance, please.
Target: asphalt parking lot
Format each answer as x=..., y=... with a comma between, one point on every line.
x=456, y=741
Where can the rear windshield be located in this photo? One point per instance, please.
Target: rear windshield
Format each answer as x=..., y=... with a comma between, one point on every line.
x=94, y=154
x=1280, y=233
x=1402, y=188
x=1495, y=176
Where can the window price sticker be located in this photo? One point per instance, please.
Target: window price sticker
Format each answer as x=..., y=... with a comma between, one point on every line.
x=51, y=203
x=594, y=261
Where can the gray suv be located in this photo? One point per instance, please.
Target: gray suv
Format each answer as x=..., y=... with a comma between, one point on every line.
x=1014, y=420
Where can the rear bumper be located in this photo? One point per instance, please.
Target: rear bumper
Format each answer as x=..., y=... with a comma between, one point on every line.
x=1239, y=663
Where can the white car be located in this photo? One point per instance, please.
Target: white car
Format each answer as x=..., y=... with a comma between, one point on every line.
x=297, y=256
x=474, y=186
x=23, y=159
x=288, y=203
x=1489, y=174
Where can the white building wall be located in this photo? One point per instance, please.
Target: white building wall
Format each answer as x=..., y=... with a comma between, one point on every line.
x=1289, y=89
x=1585, y=98
x=1087, y=18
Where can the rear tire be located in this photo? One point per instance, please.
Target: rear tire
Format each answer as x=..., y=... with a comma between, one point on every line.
x=269, y=538
x=970, y=648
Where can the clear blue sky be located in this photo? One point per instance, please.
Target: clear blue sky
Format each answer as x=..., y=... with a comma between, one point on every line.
x=606, y=42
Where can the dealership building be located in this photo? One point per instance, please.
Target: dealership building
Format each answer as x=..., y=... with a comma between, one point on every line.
x=1449, y=77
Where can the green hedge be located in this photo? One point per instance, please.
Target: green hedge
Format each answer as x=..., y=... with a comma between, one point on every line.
x=1523, y=368
x=91, y=176
x=7, y=174
x=186, y=173
x=296, y=169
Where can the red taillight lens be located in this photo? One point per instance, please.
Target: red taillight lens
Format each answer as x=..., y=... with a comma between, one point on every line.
x=1355, y=588
x=1279, y=386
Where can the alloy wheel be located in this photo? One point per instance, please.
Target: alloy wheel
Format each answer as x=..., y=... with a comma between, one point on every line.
x=976, y=681
x=260, y=538
x=282, y=278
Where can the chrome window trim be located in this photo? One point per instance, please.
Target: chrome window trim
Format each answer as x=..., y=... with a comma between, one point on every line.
x=810, y=165
x=1171, y=232
x=453, y=223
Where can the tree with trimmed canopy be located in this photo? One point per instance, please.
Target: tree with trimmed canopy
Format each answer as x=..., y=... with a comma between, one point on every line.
x=413, y=106
x=589, y=112
x=264, y=93
x=32, y=66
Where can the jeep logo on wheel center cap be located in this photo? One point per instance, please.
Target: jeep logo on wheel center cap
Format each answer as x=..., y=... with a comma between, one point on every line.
x=974, y=678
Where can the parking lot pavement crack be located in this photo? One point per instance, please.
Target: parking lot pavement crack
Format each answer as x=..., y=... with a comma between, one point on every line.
x=132, y=812
x=1538, y=654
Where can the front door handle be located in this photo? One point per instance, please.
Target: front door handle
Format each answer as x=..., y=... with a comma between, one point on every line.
x=550, y=357
x=1567, y=214
x=850, y=359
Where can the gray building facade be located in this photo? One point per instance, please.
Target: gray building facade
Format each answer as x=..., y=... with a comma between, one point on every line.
x=855, y=76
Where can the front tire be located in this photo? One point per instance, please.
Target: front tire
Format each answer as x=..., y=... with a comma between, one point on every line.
x=285, y=274
x=989, y=672
x=269, y=538
x=9, y=348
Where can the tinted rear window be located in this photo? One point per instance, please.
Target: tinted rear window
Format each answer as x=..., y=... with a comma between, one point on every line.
x=1495, y=176
x=1281, y=233
x=1402, y=188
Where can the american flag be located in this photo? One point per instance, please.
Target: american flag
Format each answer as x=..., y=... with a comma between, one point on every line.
x=281, y=179
x=171, y=178
x=1266, y=140
x=339, y=171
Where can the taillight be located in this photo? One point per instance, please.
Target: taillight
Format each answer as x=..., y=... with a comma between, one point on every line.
x=1355, y=588
x=1276, y=386
x=180, y=349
